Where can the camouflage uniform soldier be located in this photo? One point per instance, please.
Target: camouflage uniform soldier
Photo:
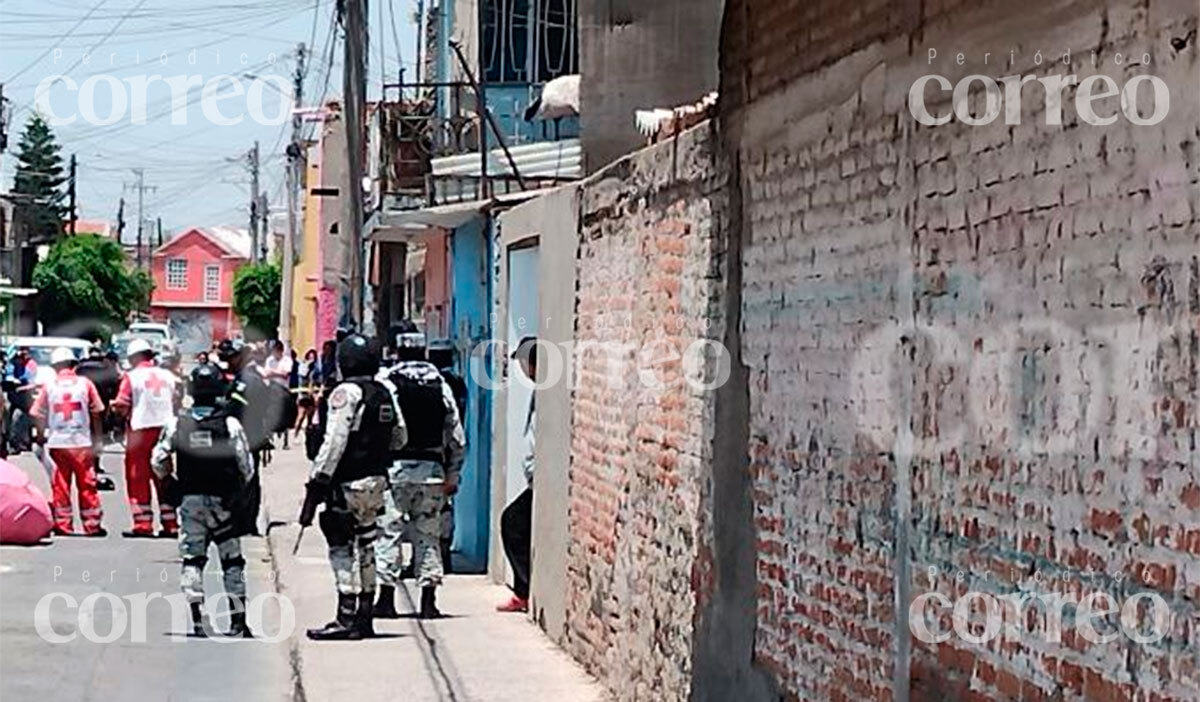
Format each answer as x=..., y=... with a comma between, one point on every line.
x=207, y=481
x=349, y=474
x=424, y=475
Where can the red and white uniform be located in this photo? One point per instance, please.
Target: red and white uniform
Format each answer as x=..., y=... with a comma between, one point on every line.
x=147, y=396
x=67, y=406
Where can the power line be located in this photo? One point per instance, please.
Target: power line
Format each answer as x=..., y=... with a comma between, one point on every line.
x=99, y=43
x=114, y=129
x=107, y=36
x=51, y=46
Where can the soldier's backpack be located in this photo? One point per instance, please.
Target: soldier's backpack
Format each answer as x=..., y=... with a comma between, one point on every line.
x=422, y=404
x=206, y=461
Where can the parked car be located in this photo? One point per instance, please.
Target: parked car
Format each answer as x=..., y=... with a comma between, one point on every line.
x=156, y=330
x=161, y=346
x=40, y=348
x=15, y=423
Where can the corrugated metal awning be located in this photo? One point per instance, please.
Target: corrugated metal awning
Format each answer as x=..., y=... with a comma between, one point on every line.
x=404, y=225
x=544, y=159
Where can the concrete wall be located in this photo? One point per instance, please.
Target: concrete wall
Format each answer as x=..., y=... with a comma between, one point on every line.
x=553, y=219
x=334, y=296
x=306, y=276
x=509, y=230
x=199, y=252
x=639, y=55
x=437, y=285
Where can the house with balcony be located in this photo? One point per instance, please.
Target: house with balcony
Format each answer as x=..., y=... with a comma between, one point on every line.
x=446, y=153
x=193, y=285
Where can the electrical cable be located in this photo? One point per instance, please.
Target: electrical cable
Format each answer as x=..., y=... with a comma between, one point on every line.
x=50, y=47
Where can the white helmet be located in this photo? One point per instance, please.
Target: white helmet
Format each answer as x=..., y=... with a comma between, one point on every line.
x=138, y=346
x=62, y=355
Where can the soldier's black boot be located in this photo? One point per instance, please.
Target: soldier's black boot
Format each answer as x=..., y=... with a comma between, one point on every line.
x=385, y=606
x=199, y=626
x=237, y=621
x=429, y=608
x=342, y=628
x=363, y=621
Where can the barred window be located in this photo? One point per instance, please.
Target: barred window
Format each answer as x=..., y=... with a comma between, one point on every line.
x=530, y=41
x=212, y=283
x=177, y=270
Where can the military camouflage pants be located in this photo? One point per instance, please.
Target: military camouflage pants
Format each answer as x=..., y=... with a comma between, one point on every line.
x=199, y=517
x=352, y=511
x=414, y=509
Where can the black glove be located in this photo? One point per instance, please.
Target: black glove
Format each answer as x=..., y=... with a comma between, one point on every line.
x=172, y=494
x=321, y=482
x=316, y=492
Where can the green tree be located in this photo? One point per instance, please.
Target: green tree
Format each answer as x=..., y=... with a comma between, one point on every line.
x=39, y=175
x=87, y=287
x=256, y=290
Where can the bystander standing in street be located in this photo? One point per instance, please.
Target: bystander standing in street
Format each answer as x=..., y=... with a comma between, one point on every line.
x=309, y=380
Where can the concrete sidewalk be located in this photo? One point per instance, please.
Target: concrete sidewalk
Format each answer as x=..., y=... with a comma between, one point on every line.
x=473, y=655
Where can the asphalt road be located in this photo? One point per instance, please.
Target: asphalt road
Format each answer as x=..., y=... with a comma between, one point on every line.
x=157, y=666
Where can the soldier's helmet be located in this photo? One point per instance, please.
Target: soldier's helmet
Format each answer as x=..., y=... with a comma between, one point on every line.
x=229, y=348
x=357, y=357
x=205, y=385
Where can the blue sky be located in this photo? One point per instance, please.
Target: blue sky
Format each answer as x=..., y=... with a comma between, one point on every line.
x=197, y=167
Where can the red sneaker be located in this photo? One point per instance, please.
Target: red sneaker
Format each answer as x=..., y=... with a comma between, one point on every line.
x=516, y=604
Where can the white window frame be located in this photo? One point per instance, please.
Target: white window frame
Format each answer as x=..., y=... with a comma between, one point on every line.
x=180, y=282
x=213, y=295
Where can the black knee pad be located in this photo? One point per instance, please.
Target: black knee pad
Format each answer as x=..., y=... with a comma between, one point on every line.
x=235, y=562
x=337, y=526
x=197, y=561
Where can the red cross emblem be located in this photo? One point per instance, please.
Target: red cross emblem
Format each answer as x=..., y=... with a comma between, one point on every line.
x=154, y=384
x=67, y=407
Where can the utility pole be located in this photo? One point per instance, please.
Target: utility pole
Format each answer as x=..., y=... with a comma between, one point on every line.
x=141, y=215
x=421, y=27
x=71, y=193
x=160, y=240
x=121, y=221
x=354, y=91
x=264, y=224
x=255, y=197
x=295, y=162
x=4, y=118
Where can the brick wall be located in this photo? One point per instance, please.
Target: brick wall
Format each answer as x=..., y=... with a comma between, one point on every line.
x=1055, y=440
x=647, y=275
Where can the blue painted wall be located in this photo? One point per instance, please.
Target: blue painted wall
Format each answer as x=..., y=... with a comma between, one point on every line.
x=471, y=305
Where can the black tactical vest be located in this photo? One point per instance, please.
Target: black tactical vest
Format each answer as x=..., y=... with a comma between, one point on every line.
x=205, y=461
x=423, y=407
x=368, y=450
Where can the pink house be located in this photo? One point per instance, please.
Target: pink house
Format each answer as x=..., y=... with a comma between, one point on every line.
x=193, y=285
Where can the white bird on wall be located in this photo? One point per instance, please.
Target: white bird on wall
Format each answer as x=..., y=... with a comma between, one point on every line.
x=559, y=98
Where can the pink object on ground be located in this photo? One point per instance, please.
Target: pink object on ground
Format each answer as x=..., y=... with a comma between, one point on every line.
x=24, y=511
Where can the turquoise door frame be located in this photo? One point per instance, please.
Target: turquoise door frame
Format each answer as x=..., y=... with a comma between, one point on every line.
x=471, y=329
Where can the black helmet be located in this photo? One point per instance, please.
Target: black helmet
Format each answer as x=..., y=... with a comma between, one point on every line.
x=228, y=348
x=206, y=384
x=357, y=357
